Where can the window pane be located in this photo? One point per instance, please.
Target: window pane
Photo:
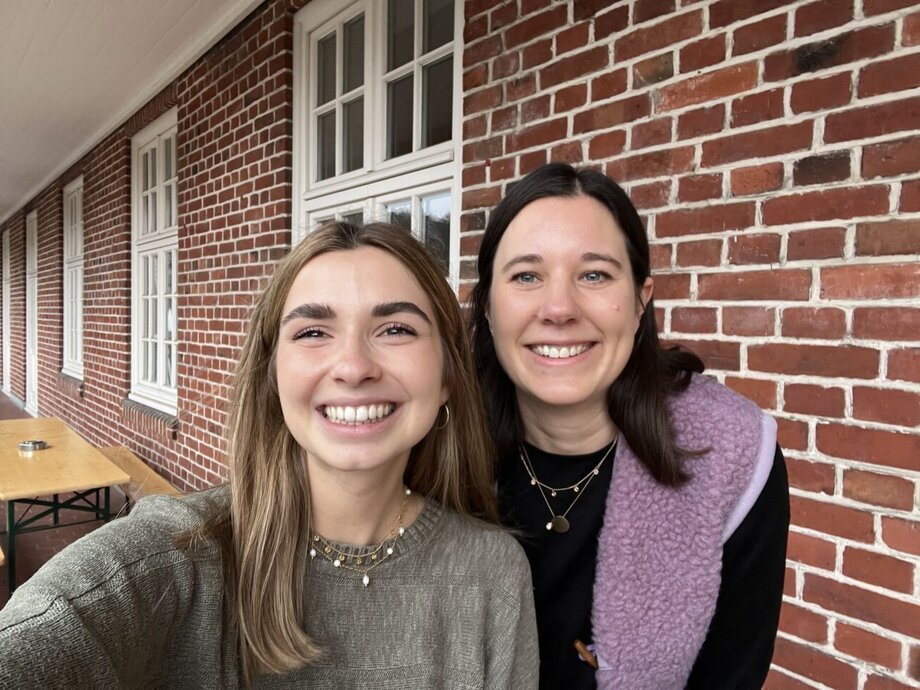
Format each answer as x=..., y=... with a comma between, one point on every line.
x=145, y=175
x=436, y=223
x=353, y=74
x=439, y=23
x=400, y=214
x=399, y=117
x=168, y=149
x=438, y=88
x=168, y=203
x=356, y=218
x=325, y=145
x=400, y=32
x=353, y=144
x=325, y=70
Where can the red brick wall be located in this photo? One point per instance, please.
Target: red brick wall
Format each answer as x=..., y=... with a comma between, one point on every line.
x=773, y=148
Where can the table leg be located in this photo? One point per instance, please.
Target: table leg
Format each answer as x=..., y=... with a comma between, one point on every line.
x=11, y=545
x=106, y=514
x=56, y=519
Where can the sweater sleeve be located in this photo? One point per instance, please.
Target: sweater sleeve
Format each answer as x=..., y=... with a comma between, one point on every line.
x=739, y=644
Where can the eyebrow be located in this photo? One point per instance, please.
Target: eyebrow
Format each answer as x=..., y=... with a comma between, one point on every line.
x=324, y=311
x=536, y=259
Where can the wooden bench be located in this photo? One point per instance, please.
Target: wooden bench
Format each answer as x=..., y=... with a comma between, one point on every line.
x=144, y=481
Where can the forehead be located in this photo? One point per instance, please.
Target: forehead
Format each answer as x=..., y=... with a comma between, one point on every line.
x=567, y=225
x=362, y=276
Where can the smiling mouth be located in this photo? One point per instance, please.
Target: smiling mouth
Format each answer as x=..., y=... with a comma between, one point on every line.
x=556, y=352
x=354, y=416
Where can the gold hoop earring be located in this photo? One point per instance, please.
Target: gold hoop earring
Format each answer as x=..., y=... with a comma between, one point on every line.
x=446, y=418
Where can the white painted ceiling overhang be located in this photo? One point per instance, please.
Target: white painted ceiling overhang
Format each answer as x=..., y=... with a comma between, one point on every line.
x=72, y=71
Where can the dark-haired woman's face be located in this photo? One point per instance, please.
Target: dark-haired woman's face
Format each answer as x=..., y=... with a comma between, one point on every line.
x=563, y=308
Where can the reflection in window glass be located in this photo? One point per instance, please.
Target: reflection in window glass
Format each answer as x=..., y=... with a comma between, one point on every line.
x=439, y=23
x=353, y=144
x=325, y=70
x=353, y=52
x=438, y=89
x=399, y=117
x=325, y=145
x=400, y=213
x=355, y=218
x=400, y=32
x=436, y=225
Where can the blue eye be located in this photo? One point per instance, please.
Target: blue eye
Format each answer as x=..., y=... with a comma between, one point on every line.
x=596, y=276
x=524, y=277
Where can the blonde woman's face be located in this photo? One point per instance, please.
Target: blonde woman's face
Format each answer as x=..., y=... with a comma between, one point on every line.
x=359, y=361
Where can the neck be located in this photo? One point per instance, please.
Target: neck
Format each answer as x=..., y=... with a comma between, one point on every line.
x=359, y=510
x=566, y=430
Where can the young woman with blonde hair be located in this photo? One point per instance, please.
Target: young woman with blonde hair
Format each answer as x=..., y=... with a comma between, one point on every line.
x=352, y=547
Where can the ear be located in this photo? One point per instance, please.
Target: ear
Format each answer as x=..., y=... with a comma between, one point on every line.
x=445, y=394
x=645, y=294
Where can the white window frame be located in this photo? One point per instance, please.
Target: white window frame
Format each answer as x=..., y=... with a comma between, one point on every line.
x=72, y=364
x=6, y=311
x=317, y=200
x=154, y=244
x=31, y=402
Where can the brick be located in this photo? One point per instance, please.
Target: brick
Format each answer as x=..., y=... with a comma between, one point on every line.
x=573, y=38
x=573, y=67
x=814, y=664
x=913, y=663
x=886, y=323
x=759, y=35
x=839, y=50
x=531, y=161
x=660, y=257
x=611, y=22
x=821, y=16
x=810, y=550
x=716, y=354
x=871, y=121
x=821, y=169
x=832, y=519
x=535, y=26
x=567, y=152
x=814, y=477
x=751, y=321
x=502, y=16
x=701, y=121
x=504, y=118
x=651, y=195
x=898, y=74
x=659, y=35
x=820, y=243
x=482, y=150
x=792, y=434
x=672, y=286
x=904, y=364
x=727, y=12
x=535, y=109
x=708, y=87
x=654, y=164
x=475, y=77
x=757, y=179
x=570, y=97
x=481, y=51
x=756, y=285
x=866, y=645
x=612, y=114
x=586, y=9
x=474, y=175
x=761, y=248
x=887, y=405
x=886, y=448
x=757, y=107
x=874, y=682
x=814, y=360
x=706, y=219
x=810, y=322
x=699, y=253
x=761, y=143
x=790, y=586
x=910, y=35
x=644, y=10
x=475, y=29
x=817, y=401
x=910, y=196
x=481, y=198
x=829, y=204
x=536, y=135
x=763, y=393
x=536, y=54
x=484, y=99
x=608, y=85
x=821, y=94
x=802, y=623
x=874, y=7
x=693, y=320
x=606, y=145
x=506, y=65
x=653, y=70
x=870, y=281
x=901, y=535
x=502, y=169
x=699, y=187
x=474, y=127
x=522, y=87
x=880, y=490
x=891, y=158
x=706, y=52
x=652, y=133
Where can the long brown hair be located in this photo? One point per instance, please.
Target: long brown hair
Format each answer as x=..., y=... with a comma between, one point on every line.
x=269, y=510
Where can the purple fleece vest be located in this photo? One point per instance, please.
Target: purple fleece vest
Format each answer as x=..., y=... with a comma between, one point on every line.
x=660, y=553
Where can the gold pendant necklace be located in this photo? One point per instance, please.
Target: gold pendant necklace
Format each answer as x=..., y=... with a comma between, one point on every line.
x=560, y=523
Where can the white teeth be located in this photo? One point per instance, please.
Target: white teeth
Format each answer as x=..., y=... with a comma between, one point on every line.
x=554, y=352
x=358, y=415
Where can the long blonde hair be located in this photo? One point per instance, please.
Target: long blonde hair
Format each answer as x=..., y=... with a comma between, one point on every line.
x=269, y=512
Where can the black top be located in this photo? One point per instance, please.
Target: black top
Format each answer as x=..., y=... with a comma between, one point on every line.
x=739, y=645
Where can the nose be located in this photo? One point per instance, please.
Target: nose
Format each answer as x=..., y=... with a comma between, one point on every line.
x=355, y=362
x=560, y=305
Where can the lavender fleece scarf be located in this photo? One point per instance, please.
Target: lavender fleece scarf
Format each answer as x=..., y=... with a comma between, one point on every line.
x=660, y=553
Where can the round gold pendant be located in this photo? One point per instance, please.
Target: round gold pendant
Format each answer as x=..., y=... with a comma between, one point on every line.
x=559, y=524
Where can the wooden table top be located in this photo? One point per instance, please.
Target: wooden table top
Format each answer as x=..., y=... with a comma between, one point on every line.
x=68, y=464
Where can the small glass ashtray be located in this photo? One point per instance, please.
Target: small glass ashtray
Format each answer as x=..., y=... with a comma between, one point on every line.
x=33, y=444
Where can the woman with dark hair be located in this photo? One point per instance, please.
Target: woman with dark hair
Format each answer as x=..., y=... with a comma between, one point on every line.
x=355, y=544
x=652, y=502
